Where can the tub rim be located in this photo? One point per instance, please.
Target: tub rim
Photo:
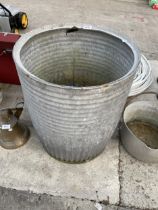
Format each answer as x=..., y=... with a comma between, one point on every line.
x=25, y=38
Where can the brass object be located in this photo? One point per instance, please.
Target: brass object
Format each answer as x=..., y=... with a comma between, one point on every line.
x=13, y=134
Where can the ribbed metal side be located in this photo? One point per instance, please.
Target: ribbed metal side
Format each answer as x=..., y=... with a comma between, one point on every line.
x=75, y=84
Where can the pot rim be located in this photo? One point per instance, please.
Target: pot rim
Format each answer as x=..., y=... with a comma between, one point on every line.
x=25, y=38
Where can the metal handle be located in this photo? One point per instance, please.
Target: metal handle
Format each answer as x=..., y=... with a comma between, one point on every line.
x=6, y=51
x=5, y=9
x=21, y=102
x=18, y=110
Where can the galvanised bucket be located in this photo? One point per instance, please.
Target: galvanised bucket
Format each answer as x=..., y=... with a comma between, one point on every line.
x=75, y=82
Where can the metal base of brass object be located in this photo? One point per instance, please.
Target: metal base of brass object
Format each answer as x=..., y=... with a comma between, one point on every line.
x=15, y=138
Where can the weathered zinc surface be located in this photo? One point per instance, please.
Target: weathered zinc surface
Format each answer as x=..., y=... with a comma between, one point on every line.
x=30, y=168
x=75, y=123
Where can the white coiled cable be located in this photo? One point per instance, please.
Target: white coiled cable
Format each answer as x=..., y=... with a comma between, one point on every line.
x=143, y=77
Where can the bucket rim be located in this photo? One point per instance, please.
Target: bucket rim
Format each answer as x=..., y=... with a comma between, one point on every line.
x=26, y=37
x=145, y=105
